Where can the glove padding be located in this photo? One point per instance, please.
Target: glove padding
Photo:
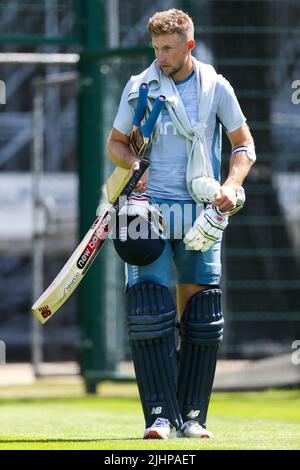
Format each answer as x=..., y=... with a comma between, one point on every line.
x=205, y=189
x=137, y=205
x=207, y=229
x=211, y=223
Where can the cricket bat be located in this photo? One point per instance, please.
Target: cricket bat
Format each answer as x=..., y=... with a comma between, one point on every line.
x=139, y=140
x=80, y=261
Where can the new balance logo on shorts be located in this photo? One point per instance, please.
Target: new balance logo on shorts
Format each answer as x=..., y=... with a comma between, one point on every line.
x=193, y=414
x=156, y=410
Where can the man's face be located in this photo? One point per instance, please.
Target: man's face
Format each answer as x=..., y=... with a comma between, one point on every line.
x=172, y=52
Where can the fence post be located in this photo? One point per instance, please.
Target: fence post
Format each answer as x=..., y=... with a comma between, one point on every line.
x=91, y=175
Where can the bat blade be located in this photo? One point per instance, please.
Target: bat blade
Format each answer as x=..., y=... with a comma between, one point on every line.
x=116, y=182
x=82, y=258
x=73, y=271
x=76, y=267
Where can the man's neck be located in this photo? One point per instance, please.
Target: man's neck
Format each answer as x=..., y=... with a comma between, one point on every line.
x=184, y=80
x=184, y=72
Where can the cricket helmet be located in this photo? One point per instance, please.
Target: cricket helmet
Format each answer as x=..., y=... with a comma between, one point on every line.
x=140, y=239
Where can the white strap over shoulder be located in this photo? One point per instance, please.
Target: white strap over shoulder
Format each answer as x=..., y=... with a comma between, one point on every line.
x=199, y=163
x=208, y=79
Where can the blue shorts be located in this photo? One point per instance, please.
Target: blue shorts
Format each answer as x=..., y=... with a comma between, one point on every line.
x=191, y=267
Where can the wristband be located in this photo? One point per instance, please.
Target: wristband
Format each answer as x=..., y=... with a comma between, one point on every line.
x=249, y=151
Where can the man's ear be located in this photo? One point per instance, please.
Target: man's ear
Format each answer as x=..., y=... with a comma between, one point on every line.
x=191, y=44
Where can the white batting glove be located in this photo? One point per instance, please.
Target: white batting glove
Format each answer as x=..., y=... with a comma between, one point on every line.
x=207, y=229
x=210, y=225
x=205, y=188
x=136, y=205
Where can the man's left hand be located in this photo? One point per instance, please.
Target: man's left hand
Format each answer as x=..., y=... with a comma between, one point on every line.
x=226, y=198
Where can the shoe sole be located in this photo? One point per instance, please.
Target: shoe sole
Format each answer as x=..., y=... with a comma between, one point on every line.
x=153, y=435
x=203, y=436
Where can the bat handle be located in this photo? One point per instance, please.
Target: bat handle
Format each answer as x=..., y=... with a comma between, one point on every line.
x=148, y=127
x=141, y=104
x=129, y=187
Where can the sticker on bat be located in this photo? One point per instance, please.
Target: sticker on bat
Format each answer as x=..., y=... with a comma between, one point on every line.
x=94, y=242
x=71, y=283
x=45, y=311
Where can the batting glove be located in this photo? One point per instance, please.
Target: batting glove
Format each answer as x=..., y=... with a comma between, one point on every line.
x=205, y=189
x=210, y=225
x=207, y=229
x=136, y=205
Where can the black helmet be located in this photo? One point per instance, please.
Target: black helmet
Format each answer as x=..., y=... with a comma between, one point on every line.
x=140, y=240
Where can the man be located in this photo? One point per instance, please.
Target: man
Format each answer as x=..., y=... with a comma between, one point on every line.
x=185, y=171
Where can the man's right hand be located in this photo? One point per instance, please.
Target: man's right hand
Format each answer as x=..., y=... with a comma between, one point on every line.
x=142, y=184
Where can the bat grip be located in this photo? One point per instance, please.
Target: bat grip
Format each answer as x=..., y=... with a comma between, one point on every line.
x=141, y=104
x=132, y=182
x=148, y=127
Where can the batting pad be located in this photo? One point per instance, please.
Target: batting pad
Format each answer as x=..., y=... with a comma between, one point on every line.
x=201, y=332
x=151, y=324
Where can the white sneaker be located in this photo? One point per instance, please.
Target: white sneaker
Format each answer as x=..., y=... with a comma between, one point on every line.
x=160, y=429
x=192, y=428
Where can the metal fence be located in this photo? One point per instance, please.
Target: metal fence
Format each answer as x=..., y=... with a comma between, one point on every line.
x=256, y=46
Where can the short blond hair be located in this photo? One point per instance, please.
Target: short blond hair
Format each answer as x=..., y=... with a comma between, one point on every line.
x=170, y=22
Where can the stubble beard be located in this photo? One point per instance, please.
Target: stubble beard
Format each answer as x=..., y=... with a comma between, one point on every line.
x=174, y=70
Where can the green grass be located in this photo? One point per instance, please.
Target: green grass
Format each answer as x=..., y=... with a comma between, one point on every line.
x=57, y=415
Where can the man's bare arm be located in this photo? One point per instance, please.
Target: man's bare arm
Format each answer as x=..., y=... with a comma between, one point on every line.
x=118, y=150
x=120, y=154
x=239, y=168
